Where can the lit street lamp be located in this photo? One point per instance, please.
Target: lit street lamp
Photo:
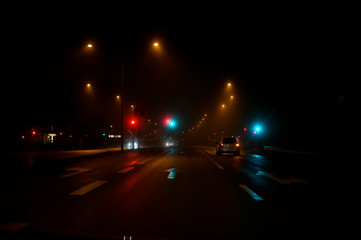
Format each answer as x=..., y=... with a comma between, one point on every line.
x=121, y=97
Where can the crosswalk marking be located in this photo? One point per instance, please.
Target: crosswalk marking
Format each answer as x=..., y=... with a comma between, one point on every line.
x=84, y=190
x=76, y=171
x=13, y=226
x=125, y=170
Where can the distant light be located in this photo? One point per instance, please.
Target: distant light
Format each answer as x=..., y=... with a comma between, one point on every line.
x=232, y=97
x=223, y=106
x=258, y=128
x=103, y=134
x=90, y=45
x=33, y=132
x=155, y=44
x=229, y=84
x=244, y=129
x=172, y=124
x=88, y=85
x=118, y=96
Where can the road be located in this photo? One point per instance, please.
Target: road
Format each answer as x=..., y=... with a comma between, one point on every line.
x=179, y=193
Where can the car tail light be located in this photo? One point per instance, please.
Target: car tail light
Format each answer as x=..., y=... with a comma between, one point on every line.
x=222, y=145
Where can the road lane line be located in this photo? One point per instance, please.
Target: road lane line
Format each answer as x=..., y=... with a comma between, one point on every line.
x=13, y=226
x=288, y=180
x=125, y=170
x=151, y=158
x=77, y=171
x=88, y=188
x=213, y=161
x=251, y=193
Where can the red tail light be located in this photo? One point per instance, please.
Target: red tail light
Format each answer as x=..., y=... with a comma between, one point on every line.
x=221, y=144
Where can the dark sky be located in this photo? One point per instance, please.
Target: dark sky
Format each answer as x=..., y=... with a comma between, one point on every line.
x=287, y=67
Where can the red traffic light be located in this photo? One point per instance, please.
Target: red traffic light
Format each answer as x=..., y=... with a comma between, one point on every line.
x=133, y=122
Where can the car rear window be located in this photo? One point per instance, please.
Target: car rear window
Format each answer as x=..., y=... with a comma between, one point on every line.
x=229, y=140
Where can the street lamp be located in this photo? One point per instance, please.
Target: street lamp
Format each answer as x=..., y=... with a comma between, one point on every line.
x=121, y=97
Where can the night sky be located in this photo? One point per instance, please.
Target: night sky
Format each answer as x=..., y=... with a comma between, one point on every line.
x=287, y=69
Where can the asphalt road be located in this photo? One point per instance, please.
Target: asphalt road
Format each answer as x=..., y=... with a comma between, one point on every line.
x=180, y=193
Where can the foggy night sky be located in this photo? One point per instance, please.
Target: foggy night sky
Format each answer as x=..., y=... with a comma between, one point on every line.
x=287, y=69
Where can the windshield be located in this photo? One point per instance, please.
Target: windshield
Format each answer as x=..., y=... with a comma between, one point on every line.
x=111, y=124
x=229, y=140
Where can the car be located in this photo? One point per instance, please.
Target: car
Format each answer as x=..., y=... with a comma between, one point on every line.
x=130, y=144
x=229, y=145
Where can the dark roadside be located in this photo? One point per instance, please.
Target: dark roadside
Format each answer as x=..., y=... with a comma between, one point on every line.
x=334, y=164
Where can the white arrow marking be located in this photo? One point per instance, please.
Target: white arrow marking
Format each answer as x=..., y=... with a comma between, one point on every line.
x=288, y=180
x=77, y=171
x=172, y=172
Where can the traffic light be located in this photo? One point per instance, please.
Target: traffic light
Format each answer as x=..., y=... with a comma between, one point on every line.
x=172, y=124
x=167, y=121
x=257, y=129
x=133, y=122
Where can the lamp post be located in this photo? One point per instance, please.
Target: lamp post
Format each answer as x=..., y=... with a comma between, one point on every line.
x=121, y=97
x=122, y=105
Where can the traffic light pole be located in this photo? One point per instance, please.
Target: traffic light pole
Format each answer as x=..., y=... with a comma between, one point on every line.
x=122, y=104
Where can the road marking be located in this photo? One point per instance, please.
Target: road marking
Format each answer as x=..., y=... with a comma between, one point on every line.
x=125, y=170
x=213, y=161
x=88, y=188
x=288, y=180
x=13, y=226
x=77, y=171
x=251, y=193
x=151, y=158
x=172, y=172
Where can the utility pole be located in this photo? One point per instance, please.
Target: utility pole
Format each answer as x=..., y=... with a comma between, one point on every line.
x=122, y=105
